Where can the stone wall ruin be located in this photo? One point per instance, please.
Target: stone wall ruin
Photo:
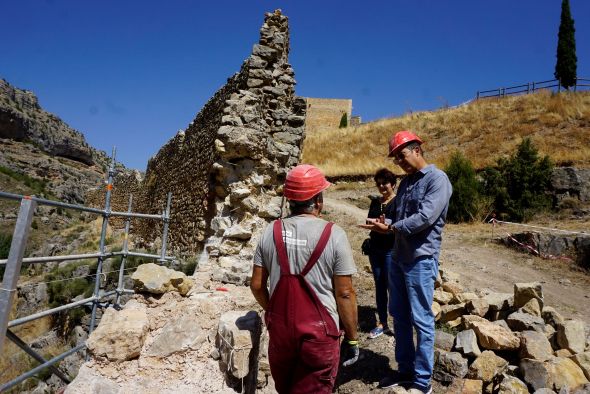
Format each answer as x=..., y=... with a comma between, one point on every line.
x=226, y=169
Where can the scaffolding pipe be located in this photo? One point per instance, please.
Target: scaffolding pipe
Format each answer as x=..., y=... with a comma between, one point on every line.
x=39, y=368
x=125, y=251
x=14, y=262
x=20, y=343
x=22, y=320
x=166, y=219
x=50, y=259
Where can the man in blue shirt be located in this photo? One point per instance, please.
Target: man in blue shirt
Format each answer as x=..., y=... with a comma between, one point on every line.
x=420, y=210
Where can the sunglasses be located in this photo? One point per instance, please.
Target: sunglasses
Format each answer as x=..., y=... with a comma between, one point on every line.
x=379, y=184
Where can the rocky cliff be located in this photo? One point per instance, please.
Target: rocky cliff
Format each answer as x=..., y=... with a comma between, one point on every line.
x=38, y=145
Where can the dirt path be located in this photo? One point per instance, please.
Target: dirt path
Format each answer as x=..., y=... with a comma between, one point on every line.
x=467, y=250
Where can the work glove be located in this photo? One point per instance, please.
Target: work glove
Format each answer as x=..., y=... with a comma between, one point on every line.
x=350, y=352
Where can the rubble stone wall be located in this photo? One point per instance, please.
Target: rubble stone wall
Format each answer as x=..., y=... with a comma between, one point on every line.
x=226, y=169
x=323, y=114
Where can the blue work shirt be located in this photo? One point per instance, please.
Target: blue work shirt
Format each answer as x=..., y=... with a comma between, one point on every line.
x=420, y=211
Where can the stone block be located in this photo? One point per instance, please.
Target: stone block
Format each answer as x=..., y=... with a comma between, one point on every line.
x=524, y=292
x=448, y=365
x=518, y=321
x=493, y=337
x=442, y=297
x=443, y=340
x=571, y=334
x=499, y=301
x=487, y=366
x=155, y=279
x=178, y=335
x=120, y=334
x=234, y=341
x=535, y=345
x=477, y=307
x=583, y=361
x=466, y=343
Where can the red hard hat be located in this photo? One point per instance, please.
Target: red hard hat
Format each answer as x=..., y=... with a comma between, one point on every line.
x=400, y=139
x=303, y=182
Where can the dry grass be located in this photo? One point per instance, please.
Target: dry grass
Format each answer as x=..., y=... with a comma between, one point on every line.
x=559, y=125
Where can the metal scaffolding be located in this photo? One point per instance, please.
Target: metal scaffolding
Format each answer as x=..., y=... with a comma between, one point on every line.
x=15, y=260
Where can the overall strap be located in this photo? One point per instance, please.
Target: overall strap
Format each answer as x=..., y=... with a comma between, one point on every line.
x=317, y=252
x=280, y=245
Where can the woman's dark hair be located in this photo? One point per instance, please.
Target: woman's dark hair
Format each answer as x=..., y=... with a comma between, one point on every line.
x=385, y=175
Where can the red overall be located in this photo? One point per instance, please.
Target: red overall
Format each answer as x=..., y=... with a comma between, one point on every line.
x=303, y=346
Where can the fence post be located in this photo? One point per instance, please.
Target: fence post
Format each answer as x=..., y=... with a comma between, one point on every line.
x=105, y=222
x=125, y=250
x=533, y=87
x=477, y=96
x=528, y=87
x=576, y=85
x=14, y=262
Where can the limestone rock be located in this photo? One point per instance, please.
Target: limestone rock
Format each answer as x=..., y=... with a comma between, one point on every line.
x=155, y=279
x=552, y=317
x=436, y=309
x=177, y=335
x=524, y=292
x=443, y=340
x=466, y=343
x=535, y=345
x=448, y=365
x=494, y=337
x=571, y=334
x=452, y=287
x=451, y=312
x=238, y=232
x=532, y=307
x=234, y=340
x=487, y=366
x=518, y=321
x=499, y=301
x=442, y=297
x=583, y=361
x=465, y=386
x=563, y=372
x=511, y=385
x=120, y=335
x=477, y=307
x=462, y=298
x=89, y=381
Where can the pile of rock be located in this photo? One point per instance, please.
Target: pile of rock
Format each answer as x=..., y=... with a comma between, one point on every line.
x=506, y=343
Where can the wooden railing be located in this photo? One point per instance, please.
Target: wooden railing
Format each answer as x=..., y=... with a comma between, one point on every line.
x=531, y=87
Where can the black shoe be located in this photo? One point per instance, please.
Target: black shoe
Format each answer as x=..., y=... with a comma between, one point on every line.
x=418, y=388
x=396, y=379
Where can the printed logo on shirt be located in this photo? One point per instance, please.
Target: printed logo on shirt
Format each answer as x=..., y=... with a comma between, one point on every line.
x=289, y=240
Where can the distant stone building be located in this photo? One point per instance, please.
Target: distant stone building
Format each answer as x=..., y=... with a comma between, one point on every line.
x=323, y=114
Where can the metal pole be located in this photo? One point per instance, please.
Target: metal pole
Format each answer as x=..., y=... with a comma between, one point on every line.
x=14, y=262
x=39, y=368
x=18, y=342
x=166, y=218
x=105, y=222
x=125, y=250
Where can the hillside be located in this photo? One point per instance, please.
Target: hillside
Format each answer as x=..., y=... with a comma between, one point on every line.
x=484, y=130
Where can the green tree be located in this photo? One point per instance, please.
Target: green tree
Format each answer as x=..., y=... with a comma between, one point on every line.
x=566, y=65
x=519, y=184
x=343, y=121
x=463, y=205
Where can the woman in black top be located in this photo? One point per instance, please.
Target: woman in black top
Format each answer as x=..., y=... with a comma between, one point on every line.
x=380, y=254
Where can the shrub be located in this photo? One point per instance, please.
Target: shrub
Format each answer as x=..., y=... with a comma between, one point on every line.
x=519, y=184
x=463, y=205
x=5, y=241
x=343, y=121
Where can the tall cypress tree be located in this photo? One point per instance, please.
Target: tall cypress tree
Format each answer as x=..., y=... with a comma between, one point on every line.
x=565, y=68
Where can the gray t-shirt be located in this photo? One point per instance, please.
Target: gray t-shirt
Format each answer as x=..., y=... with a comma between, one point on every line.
x=301, y=234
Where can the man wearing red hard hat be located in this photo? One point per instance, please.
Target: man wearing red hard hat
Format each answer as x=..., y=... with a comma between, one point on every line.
x=419, y=213
x=309, y=263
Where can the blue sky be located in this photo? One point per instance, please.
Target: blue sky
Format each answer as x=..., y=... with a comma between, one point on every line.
x=131, y=73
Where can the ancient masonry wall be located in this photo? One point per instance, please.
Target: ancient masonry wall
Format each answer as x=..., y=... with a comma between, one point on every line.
x=323, y=114
x=226, y=169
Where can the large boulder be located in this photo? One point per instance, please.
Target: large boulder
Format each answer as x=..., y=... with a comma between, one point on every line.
x=524, y=292
x=120, y=334
x=156, y=279
x=89, y=381
x=448, y=365
x=556, y=374
x=487, y=366
x=583, y=361
x=234, y=341
x=494, y=337
x=535, y=345
x=178, y=335
x=571, y=334
x=466, y=343
x=519, y=321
